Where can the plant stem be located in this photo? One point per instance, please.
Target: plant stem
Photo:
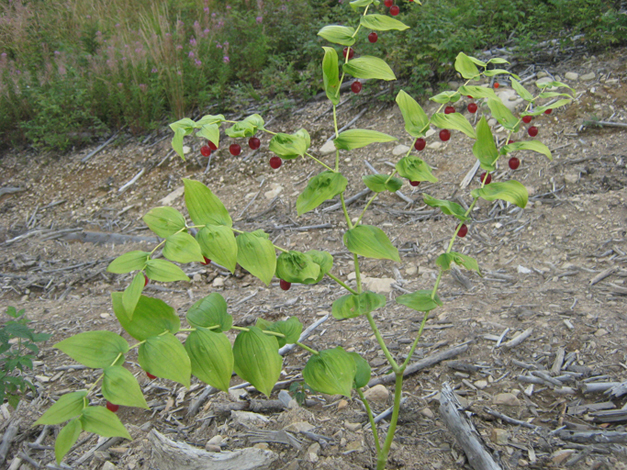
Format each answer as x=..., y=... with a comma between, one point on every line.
x=337, y=152
x=341, y=283
x=381, y=342
x=357, y=273
x=382, y=455
x=307, y=348
x=373, y=425
x=413, y=346
x=374, y=196
x=348, y=219
x=321, y=163
x=268, y=332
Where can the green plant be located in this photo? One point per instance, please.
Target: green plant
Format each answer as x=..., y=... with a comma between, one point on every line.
x=207, y=352
x=17, y=351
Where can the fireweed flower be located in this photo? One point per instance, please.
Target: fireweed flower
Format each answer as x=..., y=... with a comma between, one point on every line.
x=190, y=55
x=259, y=19
x=154, y=70
x=226, y=59
x=143, y=87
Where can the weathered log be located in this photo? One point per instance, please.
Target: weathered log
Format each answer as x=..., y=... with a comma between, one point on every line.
x=8, y=437
x=594, y=437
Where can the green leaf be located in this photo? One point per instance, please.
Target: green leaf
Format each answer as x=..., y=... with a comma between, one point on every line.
x=354, y=305
x=521, y=90
x=164, y=271
x=151, y=318
x=358, y=138
x=211, y=357
x=497, y=60
x=256, y=254
x=330, y=75
x=217, y=243
x=363, y=371
x=380, y=183
x=369, y=67
x=541, y=109
x=210, y=132
x=494, y=72
x=128, y=262
x=382, y=23
x=445, y=259
x=295, y=266
x=164, y=221
x=324, y=260
x=119, y=386
x=66, y=438
x=67, y=407
x=511, y=191
x=103, y=422
x=290, y=329
x=209, y=312
x=290, y=146
x=416, y=120
x=331, y=371
x=320, y=188
x=371, y=242
x=241, y=129
x=478, y=62
x=465, y=66
x=503, y=115
x=414, y=169
x=210, y=119
x=181, y=128
x=447, y=207
x=203, y=206
x=338, y=34
x=361, y=3
x=446, y=97
x=132, y=293
x=484, y=148
x=455, y=121
x=165, y=357
x=257, y=359
x=477, y=92
x=96, y=349
x=420, y=300
x=533, y=145
x=182, y=248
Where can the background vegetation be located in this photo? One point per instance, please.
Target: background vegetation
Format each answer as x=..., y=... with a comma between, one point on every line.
x=71, y=70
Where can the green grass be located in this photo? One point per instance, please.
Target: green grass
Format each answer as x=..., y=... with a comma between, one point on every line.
x=73, y=70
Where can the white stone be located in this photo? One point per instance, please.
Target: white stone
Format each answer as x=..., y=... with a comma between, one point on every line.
x=186, y=149
x=352, y=426
x=427, y=413
x=612, y=81
x=274, y=192
x=411, y=270
x=571, y=76
x=378, y=394
x=248, y=418
x=507, y=399
x=586, y=77
x=400, y=150
x=108, y=466
x=216, y=440
x=543, y=81
x=453, y=85
x=196, y=278
x=218, y=282
x=237, y=394
x=435, y=145
x=499, y=436
x=429, y=132
x=299, y=426
x=542, y=74
x=327, y=148
x=571, y=178
x=173, y=196
x=492, y=122
x=481, y=384
x=381, y=286
x=523, y=270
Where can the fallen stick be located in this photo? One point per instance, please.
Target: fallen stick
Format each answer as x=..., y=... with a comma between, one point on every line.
x=104, y=238
x=398, y=193
x=597, y=437
x=10, y=190
x=602, y=275
x=509, y=420
x=604, y=124
x=348, y=201
x=8, y=437
x=102, y=447
x=131, y=182
x=518, y=339
x=94, y=152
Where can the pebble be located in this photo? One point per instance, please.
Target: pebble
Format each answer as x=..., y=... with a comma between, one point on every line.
x=558, y=457
x=341, y=405
x=299, y=426
x=542, y=74
x=327, y=148
x=312, y=452
x=612, y=81
x=481, y=384
x=522, y=270
x=435, y=145
x=186, y=149
x=197, y=278
x=269, y=195
x=430, y=132
x=499, y=436
x=571, y=76
x=507, y=399
x=427, y=413
x=218, y=282
x=381, y=286
x=212, y=448
x=400, y=150
x=237, y=394
x=411, y=270
x=492, y=122
x=543, y=81
x=352, y=426
x=248, y=418
x=216, y=440
x=378, y=393
x=600, y=332
x=587, y=77
x=108, y=466
x=571, y=178
x=354, y=446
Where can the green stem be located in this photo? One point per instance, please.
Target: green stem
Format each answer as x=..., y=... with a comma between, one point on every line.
x=373, y=425
x=272, y=333
x=341, y=283
x=348, y=219
x=337, y=152
x=381, y=342
x=318, y=161
x=307, y=348
x=413, y=346
x=357, y=273
x=374, y=196
x=382, y=456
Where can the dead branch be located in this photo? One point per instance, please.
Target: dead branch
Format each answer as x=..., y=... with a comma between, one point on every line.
x=8, y=437
x=596, y=437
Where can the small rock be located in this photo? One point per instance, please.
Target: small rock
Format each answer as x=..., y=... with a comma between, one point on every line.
x=261, y=445
x=558, y=457
x=586, y=77
x=237, y=394
x=108, y=466
x=269, y=195
x=312, y=452
x=523, y=270
x=248, y=418
x=411, y=270
x=197, y=278
x=104, y=315
x=186, y=149
x=146, y=426
x=427, y=413
x=571, y=76
x=499, y=436
x=285, y=398
x=351, y=276
x=341, y=405
x=293, y=466
x=380, y=286
x=453, y=85
x=173, y=196
x=543, y=81
x=327, y=148
x=571, y=178
x=600, y=332
x=354, y=446
x=430, y=132
x=481, y=384
x=435, y=145
x=299, y=426
x=507, y=399
x=400, y=150
x=378, y=393
x=492, y=122
x=218, y=282
x=542, y=74
x=216, y=440
x=612, y=81
x=353, y=426
x=212, y=448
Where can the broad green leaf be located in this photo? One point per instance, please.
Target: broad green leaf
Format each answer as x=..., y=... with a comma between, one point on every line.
x=331, y=371
x=448, y=207
x=320, y=188
x=330, y=75
x=132, y=293
x=210, y=119
x=416, y=120
x=382, y=23
x=521, y=90
x=66, y=438
x=362, y=372
x=103, y=422
x=128, y=262
x=477, y=92
x=445, y=259
x=380, y=183
x=241, y=129
x=96, y=349
x=322, y=259
x=497, y=60
x=358, y=138
x=290, y=146
x=151, y=318
x=455, y=121
x=256, y=120
x=371, y=242
x=338, y=34
x=556, y=84
x=203, y=206
x=256, y=254
x=67, y=407
x=541, y=109
x=484, y=148
x=362, y=3
x=185, y=123
x=354, y=305
x=182, y=248
x=553, y=94
x=210, y=132
x=369, y=67
x=414, y=169
x=119, y=386
x=511, y=191
x=290, y=329
x=503, y=115
x=478, y=62
x=420, y=300
x=295, y=266
x=446, y=96
x=211, y=357
x=217, y=243
x=465, y=66
x=165, y=357
x=164, y=271
x=494, y=72
x=209, y=312
x=181, y=128
x=533, y=145
x=164, y=221
x=257, y=359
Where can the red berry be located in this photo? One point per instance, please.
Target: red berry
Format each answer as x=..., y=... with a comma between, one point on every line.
x=350, y=53
x=463, y=230
x=388, y=3
x=414, y=183
x=205, y=151
x=150, y=376
x=275, y=162
x=548, y=111
x=145, y=280
x=510, y=141
x=394, y=10
x=514, y=163
x=449, y=110
x=356, y=87
x=472, y=108
x=445, y=135
x=496, y=84
x=372, y=37
x=235, y=149
x=285, y=285
x=254, y=143
x=206, y=261
x=420, y=144
x=212, y=146
x=527, y=119
x=112, y=407
x=532, y=131
x=485, y=178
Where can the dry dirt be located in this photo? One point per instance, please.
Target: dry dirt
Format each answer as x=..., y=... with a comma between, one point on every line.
x=538, y=265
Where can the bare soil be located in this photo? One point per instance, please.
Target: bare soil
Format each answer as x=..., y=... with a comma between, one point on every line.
x=538, y=264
